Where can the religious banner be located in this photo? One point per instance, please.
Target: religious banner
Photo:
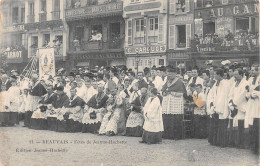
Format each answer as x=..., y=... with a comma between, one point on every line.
x=46, y=62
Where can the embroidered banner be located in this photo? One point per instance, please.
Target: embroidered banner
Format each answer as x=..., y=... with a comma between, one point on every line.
x=46, y=62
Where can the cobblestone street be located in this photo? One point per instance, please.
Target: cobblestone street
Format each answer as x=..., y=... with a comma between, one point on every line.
x=36, y=147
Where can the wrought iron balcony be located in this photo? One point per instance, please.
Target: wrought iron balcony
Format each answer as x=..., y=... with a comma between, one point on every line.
x=86, y=45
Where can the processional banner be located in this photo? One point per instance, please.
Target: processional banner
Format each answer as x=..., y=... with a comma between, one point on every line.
x=46, y=62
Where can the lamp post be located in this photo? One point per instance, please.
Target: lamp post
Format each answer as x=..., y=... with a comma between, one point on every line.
x=149, y=49
x=137, y=59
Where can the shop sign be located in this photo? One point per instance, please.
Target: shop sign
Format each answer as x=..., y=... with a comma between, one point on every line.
x=14, y=28
x=142, y=6
x=181, y=19
x=14, y=57
x=145, y=49
x=90, y=10
x=177, y=55
x=237, y=10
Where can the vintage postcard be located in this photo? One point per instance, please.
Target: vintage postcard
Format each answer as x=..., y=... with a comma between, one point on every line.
x=129, y=82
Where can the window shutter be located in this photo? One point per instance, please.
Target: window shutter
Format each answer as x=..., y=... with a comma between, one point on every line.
x=104, y=35
x=188, y=35
x=172, y=6
x=161, y=31
x=145, y=29
x=187, y=5
x=172, y=42
x=130, y=32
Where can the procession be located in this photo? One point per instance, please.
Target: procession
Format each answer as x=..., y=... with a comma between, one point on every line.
x=129, y=82
x=150, y=104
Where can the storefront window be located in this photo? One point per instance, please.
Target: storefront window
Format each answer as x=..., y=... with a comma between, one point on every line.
x=96, y=33
x=181, y=36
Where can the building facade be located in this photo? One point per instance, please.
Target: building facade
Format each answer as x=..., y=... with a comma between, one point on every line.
x=45, y=27
x=96, y=32
x=13, y=34
x=226, y=29
x=180, y=32
x=146, y=33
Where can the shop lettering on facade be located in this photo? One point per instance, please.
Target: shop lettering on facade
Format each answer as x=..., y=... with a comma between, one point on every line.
x=14, y=57
x=181, y=19
x=145, y=49
x=113, y=7
x=14, y=28
x=235, y=10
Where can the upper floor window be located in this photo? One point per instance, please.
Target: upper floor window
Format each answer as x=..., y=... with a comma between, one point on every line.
x=139, y=34
x=153, y=30
x=22, y=14
x=43, y=5
x=96, y=33
x=153, y=24
x=92, y=2
x=15, y=15
x=179, y=6
x=139, y=25
x=133, y=1
x=31, y=8
x=56, y=5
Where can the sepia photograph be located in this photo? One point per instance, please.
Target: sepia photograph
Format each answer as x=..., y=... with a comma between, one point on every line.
x=129, y=83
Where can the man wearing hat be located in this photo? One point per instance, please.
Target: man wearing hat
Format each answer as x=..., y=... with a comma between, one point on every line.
x=60, y=99
x=76, y=113
x=71, y=76
x=5, y=81
x=47, y=98
x=113, y=73
x=37, y=91
x=173, y=92
x=95, y=111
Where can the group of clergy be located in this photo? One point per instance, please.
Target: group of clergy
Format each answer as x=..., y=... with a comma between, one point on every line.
x=151, y=104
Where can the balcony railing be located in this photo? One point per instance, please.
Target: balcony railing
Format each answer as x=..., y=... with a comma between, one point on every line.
x=55, y=15
x=30, y=18
x=43, y=17
x=222, y=44
x=116, y=44
x=86, y=45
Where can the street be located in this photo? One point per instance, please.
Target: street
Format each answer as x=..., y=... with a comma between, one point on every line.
x=23, y=146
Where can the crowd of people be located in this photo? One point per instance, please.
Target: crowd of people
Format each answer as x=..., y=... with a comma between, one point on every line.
x=150, y=104
x=242, y=40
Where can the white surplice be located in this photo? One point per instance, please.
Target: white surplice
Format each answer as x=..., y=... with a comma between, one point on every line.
x=153, y=115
